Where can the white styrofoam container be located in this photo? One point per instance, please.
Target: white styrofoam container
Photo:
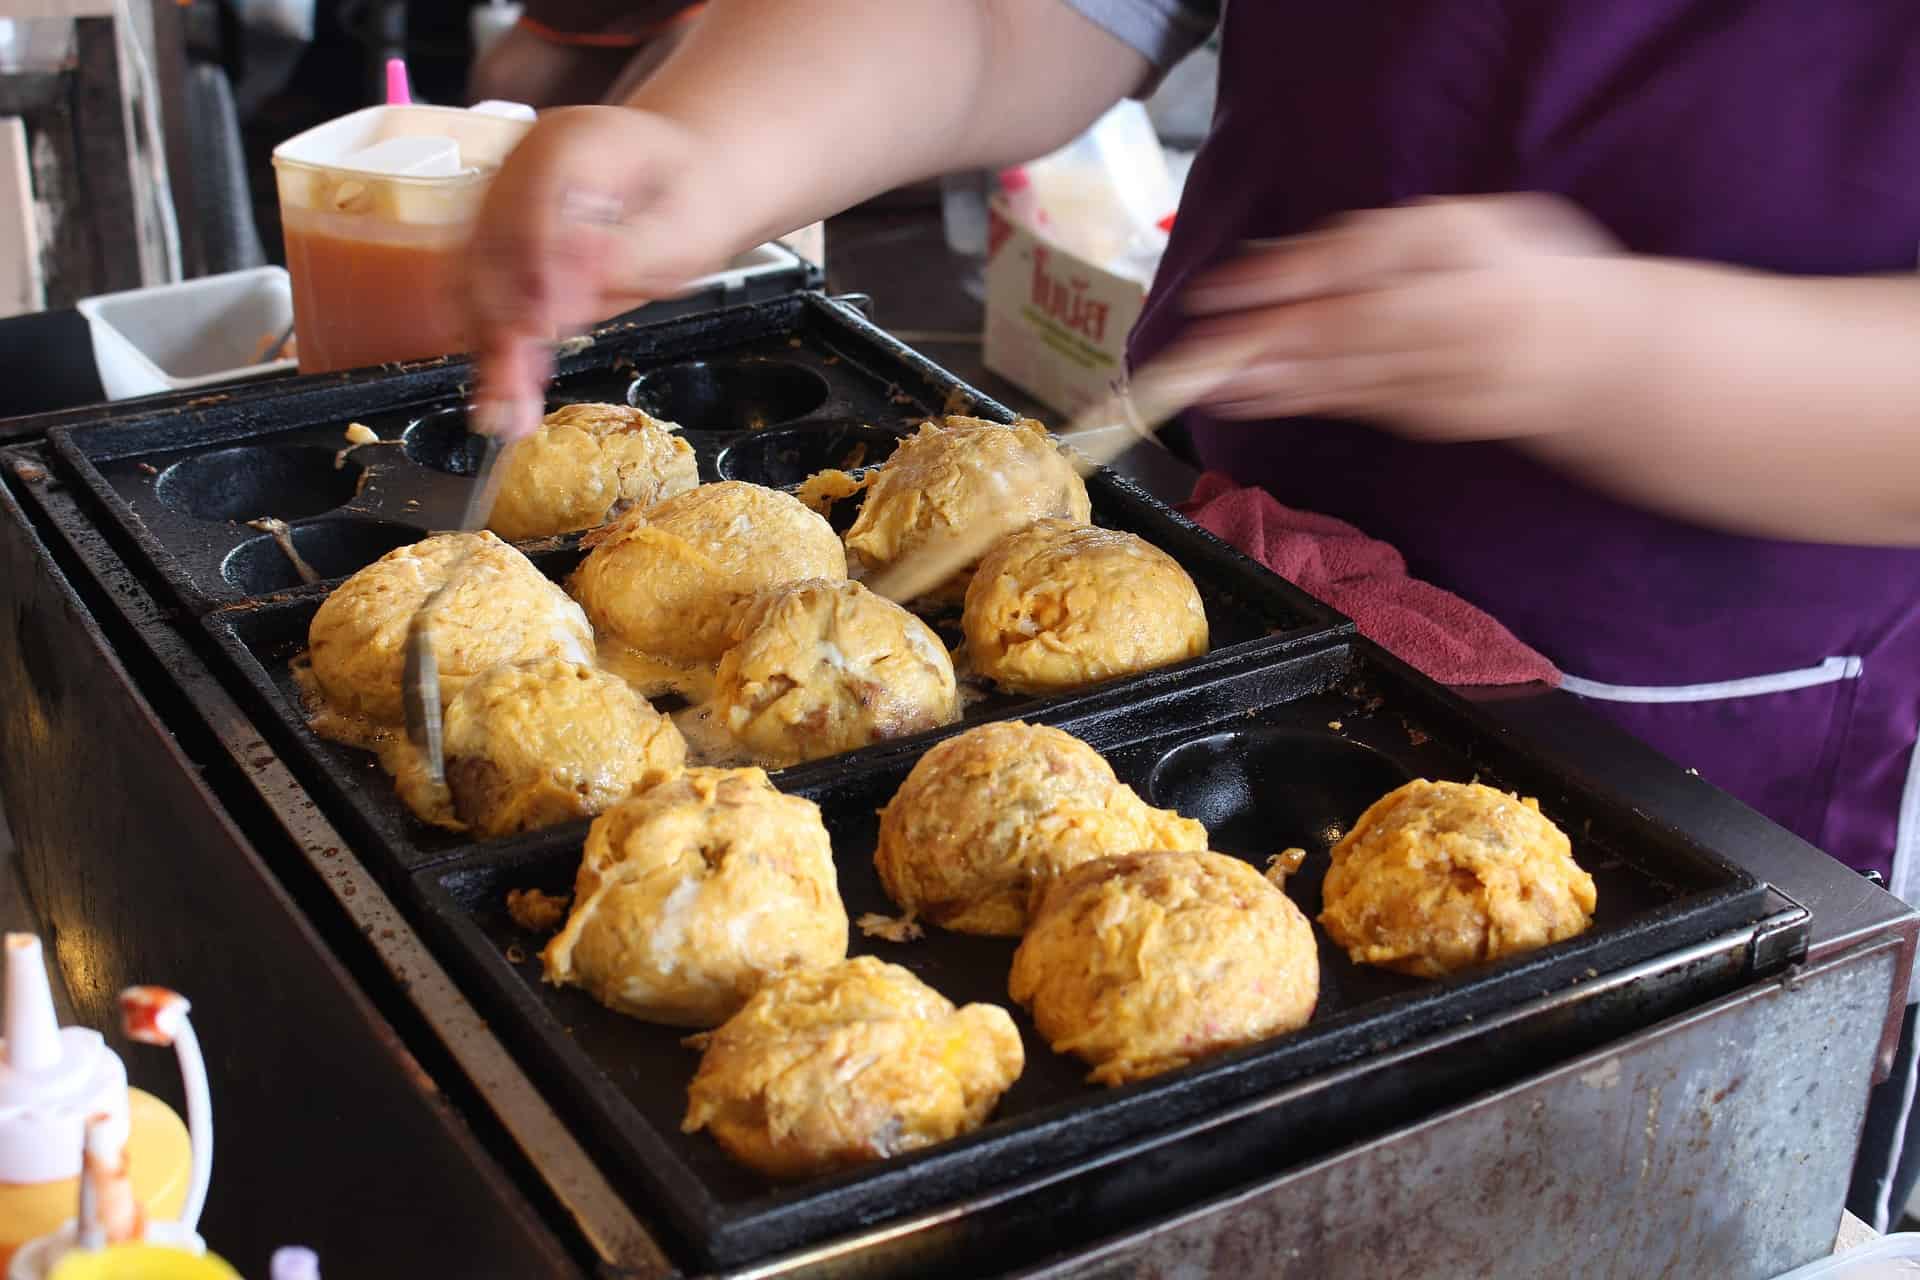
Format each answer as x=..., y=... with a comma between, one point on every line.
x=758, y=261
x=203, y=332
x=1888, y=1258
x=196, y=333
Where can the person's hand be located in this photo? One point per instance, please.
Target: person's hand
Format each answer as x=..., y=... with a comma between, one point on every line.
x=1447, y=319
x=598, y=210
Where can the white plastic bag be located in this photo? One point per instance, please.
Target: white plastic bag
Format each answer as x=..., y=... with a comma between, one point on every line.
x=1107, y=195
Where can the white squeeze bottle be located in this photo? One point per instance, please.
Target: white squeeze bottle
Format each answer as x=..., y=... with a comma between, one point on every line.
x=52, y=1078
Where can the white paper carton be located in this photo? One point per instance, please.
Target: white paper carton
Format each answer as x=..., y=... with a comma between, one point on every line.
x=1056, y=325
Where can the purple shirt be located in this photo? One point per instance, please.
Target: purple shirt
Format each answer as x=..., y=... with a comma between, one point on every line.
x=1774, y=133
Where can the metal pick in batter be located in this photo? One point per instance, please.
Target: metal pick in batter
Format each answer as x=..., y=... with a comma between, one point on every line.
x=420, y=685
x=420, y=673
x=486, y=485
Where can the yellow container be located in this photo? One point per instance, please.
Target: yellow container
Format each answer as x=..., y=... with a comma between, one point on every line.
x=159, y=1161
x=142, y=1262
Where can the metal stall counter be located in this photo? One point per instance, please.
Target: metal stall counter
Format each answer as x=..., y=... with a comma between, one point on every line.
x=1686, y=1098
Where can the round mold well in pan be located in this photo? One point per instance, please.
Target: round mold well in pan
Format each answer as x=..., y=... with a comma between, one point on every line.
x=1262, y=790
x=440, y=440
x=786, y=456
x=738, y=395
x=247, y=482
x=333, y=548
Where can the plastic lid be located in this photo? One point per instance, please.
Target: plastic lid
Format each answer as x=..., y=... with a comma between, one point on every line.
x=505, y=110
x=481, y=139
x=294, y=1262
x=417, y=156
x=51, y=1078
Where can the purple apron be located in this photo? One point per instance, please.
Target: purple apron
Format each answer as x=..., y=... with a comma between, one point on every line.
x=1781, y=136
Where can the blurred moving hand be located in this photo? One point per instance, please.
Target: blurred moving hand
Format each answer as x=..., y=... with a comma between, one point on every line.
x=599, y=210
x=772, y=114
x=1774, y=405
x=1453, y=319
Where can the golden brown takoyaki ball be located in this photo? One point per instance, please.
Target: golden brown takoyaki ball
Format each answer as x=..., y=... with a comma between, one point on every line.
x=668, y=581
x=1150, y=961
x=822, y=667
x=1439, y=876
x=1059, y=605
x=583, y=462
x=499, y=609
x=986, y=816
x=962, y=479
x=693, y=893
x=830, y=1067
x=535, y=744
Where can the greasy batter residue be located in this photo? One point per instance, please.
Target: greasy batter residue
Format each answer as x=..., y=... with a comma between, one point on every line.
x=282, y=535
x=1283, y=864
x=901, y=928
x=654, y=677
x=819, y=491
x=359, y=435
x=326, y=720
x=709, y=743
x=537, y=911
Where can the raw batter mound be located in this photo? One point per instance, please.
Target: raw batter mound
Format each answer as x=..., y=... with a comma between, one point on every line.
x=988, y=816
x=967, y=479
x=533, y=744
x=821, y=667
x=832, y=1067
x=1058, y=605
x=1147, y=962
x=668, y=581
x=693, y=893
x=500, y=609
x=584, y=461
x=1438, y=876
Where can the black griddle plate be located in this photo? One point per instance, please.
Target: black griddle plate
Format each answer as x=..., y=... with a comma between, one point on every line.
x=1253, y=753
x=1281, y=736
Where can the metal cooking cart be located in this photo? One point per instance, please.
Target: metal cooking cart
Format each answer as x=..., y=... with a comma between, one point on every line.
x=398, y=1097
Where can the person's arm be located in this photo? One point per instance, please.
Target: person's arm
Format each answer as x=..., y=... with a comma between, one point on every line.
x=1771, y=405
x=772, y=114
x=816, y=105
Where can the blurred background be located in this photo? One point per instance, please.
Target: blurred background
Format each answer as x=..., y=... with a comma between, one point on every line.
x=136, y=141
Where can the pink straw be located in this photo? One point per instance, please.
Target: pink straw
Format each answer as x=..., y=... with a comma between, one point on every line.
x=398, y=95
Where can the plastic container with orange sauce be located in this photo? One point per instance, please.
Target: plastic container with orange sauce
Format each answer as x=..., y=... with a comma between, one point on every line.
x=376, y=207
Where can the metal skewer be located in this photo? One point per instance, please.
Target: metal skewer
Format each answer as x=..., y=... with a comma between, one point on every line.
x=420, y=672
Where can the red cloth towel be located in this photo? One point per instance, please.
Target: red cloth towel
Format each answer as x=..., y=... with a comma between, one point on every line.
x=1434, y=630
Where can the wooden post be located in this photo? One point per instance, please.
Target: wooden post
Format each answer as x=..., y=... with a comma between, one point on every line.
x=21, y=286
x=94, y=193
x=101, y=145
x=170, y=69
